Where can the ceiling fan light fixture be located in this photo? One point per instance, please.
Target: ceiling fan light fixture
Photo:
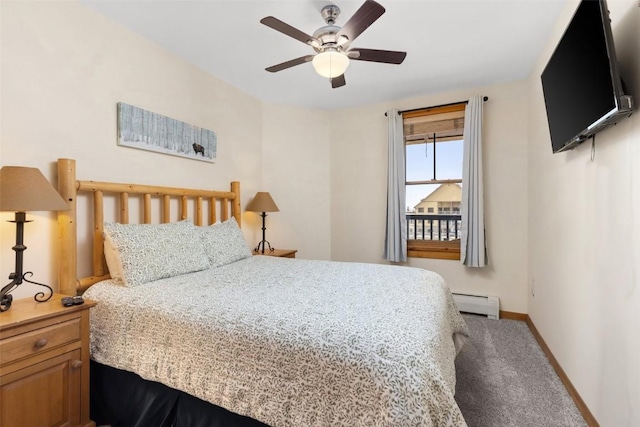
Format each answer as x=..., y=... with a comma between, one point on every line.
x=330, y=63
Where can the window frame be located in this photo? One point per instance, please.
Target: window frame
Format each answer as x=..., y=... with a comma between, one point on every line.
x=434, y=249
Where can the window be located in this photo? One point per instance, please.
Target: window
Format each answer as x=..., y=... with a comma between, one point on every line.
x=420, y=210
x=433, y=155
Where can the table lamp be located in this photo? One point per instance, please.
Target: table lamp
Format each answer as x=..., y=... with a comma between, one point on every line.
x=25, y=189
x=263, y=202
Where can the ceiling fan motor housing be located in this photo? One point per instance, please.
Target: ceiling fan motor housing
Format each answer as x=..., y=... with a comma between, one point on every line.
x=327, y=36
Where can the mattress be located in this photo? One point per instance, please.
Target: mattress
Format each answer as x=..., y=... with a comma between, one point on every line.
x=292, y=342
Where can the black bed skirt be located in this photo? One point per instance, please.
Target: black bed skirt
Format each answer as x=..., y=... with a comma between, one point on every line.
x=123, y=399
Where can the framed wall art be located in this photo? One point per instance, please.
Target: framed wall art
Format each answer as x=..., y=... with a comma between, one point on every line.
x=145, y=130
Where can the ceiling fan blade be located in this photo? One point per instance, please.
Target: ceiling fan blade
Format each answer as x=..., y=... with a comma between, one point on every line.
x=289, y=64
x=368, y=13
x=338, y=81
x=375, y=55
x=288, y=30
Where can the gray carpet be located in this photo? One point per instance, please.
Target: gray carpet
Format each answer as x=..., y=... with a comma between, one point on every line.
x=504, y=379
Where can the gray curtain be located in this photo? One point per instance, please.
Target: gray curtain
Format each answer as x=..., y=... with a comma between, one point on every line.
x=395, y=244
x=473, y=249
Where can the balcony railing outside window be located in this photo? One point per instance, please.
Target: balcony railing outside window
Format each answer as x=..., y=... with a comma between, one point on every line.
x=433, y=227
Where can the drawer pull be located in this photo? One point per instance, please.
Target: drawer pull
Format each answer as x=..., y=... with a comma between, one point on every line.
x=76, y=364
x=41, y=342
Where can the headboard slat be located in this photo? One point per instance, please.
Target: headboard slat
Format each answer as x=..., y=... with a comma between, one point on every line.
x=166, y=208
x=224, y=211
x=147, y=208
x=198, y=218
x=236, y=209
x=124, y=208
x=212, y=210
x=98, y=232
x=184, y=211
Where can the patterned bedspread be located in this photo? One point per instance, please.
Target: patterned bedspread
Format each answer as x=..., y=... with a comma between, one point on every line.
x=292, y=342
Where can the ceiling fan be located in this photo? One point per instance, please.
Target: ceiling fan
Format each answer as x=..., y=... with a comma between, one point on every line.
x=333, y=43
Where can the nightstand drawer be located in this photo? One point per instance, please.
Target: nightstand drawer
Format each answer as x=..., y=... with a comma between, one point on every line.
x=39, y=340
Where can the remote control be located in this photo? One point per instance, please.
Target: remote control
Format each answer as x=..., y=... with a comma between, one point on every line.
x=69, y=301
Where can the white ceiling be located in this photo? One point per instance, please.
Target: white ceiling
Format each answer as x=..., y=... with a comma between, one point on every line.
x=450, y=44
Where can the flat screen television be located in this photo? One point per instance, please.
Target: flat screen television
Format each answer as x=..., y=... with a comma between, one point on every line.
x=583, y=91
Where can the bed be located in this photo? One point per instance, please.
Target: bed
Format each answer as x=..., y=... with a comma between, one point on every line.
x=251, y=340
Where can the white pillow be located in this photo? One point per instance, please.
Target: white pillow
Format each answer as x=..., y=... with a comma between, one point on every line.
x=224, y=243
x=148, y=252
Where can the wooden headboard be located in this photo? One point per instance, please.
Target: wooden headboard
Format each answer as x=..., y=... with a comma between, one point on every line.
x=69, y=188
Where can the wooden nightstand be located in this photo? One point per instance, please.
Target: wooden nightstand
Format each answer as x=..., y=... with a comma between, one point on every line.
x=282, y=253
x=44, y=364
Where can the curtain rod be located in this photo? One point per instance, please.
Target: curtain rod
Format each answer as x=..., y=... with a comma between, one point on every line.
x=486, y=98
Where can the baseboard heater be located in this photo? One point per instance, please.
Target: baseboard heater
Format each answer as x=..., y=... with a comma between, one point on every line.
x=476, y=304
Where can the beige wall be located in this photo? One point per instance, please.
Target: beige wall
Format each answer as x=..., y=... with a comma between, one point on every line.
x=358, y=184
x=584, y=257
x=296, y=171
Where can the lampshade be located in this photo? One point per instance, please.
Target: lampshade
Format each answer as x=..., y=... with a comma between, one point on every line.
x=26, y=189
x=263, y=202
x=330, y=63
